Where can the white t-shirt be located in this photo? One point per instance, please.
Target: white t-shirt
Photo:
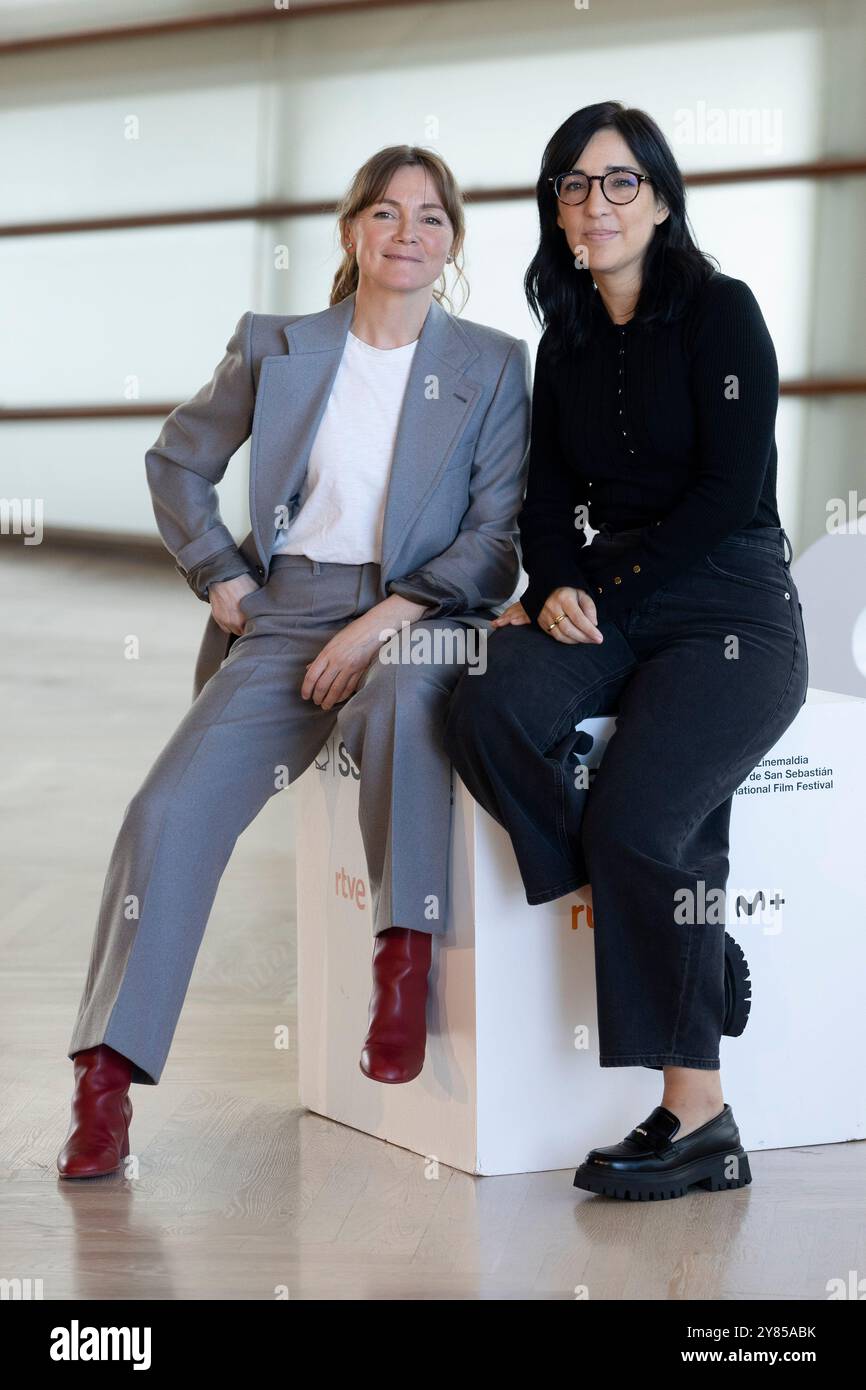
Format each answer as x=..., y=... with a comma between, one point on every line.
x=342, y=501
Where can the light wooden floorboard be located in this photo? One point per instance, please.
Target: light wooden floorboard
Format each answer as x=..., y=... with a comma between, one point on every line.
x=240, y=1191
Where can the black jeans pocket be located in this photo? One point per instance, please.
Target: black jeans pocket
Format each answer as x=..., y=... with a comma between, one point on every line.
x=756, y=566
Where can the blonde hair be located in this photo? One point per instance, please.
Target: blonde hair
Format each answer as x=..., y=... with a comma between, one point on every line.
x=368, y=187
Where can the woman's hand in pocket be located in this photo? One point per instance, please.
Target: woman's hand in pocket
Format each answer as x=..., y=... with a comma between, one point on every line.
x=224, y=597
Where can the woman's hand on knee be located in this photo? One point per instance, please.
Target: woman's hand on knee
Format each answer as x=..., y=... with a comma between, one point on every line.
x=224, y=597
x=579, y=622
x=514, y=613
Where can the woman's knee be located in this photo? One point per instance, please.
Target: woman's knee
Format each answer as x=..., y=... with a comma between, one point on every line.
x=486, y=703
x=467, y=711
x=620, y=824
x=147, y=809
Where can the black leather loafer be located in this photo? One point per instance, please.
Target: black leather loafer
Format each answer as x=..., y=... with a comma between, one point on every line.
x=649, y=1166
x=738, y=988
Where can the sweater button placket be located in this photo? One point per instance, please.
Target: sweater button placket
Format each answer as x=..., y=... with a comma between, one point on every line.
x=621, y=382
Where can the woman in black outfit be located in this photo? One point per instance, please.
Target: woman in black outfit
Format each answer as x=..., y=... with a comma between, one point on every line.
x=654, y=402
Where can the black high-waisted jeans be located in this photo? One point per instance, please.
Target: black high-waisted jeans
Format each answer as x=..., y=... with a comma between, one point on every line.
x=704, y=676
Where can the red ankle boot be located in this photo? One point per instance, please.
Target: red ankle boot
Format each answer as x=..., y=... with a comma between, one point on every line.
x=98, y=1138
x=397, y=1033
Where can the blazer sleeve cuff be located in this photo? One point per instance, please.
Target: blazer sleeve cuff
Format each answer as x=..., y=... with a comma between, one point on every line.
x=203, y=548
x=423, y=587
x=226, y=564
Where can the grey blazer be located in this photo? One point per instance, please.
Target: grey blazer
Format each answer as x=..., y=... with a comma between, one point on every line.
x=458, y=476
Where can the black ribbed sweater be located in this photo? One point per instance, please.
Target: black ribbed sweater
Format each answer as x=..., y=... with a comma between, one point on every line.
x=671, y=425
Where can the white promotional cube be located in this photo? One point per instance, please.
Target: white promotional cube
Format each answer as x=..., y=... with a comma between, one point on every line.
x=511, y=1081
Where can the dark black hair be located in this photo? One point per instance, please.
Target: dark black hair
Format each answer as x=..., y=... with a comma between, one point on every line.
x=559, y=296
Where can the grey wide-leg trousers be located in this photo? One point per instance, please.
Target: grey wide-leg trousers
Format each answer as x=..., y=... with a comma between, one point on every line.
x=249, y=733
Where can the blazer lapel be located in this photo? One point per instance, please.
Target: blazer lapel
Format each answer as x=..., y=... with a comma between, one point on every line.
x=292, y=394
x=438, y=401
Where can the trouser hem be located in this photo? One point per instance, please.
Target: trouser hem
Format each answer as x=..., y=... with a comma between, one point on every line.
x=546, y=895
x=659, y=1059
x=139, y=1074
x=426, y=927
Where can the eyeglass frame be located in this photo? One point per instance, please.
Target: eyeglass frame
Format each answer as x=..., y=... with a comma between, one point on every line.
x=598, y=178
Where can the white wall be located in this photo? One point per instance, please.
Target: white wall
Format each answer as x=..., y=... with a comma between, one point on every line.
x=229, y=117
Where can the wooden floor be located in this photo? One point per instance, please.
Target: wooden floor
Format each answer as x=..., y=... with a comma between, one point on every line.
x=239, y=1191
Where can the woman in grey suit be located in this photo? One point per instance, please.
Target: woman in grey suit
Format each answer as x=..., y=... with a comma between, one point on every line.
x=388, y=457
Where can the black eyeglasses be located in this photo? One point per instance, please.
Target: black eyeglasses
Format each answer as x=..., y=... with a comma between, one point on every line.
x=617, y=185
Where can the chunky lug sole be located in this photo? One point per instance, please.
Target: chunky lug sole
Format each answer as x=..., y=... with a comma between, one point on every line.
x=707, y=1172
x=738, y=989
